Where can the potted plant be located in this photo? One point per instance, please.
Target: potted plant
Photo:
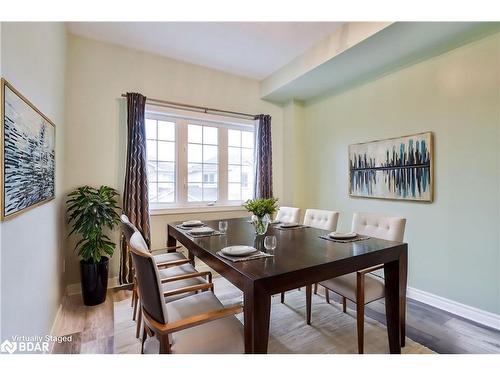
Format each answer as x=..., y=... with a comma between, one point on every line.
x=262, y=209
x=92, y=212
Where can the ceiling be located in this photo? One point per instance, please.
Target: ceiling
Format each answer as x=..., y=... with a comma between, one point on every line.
x=250, y=49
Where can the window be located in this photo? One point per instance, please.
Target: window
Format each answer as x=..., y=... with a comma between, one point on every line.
x=240, y=165
x=160, y=147
x=196, y=162
x=202, y=163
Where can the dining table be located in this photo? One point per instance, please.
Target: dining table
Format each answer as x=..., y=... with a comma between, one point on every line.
x=300, y=259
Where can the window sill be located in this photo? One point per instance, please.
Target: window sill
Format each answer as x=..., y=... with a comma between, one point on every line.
x=154, y=211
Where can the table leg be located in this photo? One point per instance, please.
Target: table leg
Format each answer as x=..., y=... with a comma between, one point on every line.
x=392, y=305
x=403, y=280
x=257, y=311
x=171, y=241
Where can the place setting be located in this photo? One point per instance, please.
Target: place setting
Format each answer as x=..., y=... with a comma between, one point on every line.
x=288, y=226
x=240, y=253
x=344, y=237
x=197, y=229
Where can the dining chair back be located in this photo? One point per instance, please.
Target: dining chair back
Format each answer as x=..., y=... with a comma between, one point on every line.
x=321, y=219
x=148, y=280
x=128, y=228
x=389, y=228
x=288, y=215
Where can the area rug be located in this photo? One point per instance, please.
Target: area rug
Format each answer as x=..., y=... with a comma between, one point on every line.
x=331, y=331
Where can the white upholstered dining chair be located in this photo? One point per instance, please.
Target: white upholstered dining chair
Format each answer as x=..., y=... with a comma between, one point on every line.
x=362, y=287
x=288, y=215
x=194, y=324
x=320, y=219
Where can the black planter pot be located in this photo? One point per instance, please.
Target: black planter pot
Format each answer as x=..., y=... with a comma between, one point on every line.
x=94, y=280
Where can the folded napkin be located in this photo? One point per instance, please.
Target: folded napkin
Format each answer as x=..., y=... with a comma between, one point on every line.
x=290, y=228
x=347, y=240
x=215, y=233
x=257, y=255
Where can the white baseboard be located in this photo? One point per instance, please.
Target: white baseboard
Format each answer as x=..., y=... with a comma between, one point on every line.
x=73, y=289
x=468, y=312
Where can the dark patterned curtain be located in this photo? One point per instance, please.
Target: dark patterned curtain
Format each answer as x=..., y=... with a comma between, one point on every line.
x=135, y=192
x=263, y=158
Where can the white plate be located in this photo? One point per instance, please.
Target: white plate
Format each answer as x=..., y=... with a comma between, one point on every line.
x=192, y=223
x=275, y=221
x=238, y=250
x=204, y=230
x=289, y=225
x=342, y=236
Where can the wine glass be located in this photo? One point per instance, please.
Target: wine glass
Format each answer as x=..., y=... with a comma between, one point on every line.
x=222, y=226
x=270, y=242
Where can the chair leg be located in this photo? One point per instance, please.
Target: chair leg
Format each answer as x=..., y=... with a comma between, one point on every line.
x=327, y=295
x=136, y=303
x=360, y=309
x=315, y=288
x=360, y=316
x=144, y=336
x=344, y=304
x=308, y=303
x=282, y=297
x=134, y=291
x=164, y=344
x=139, y=322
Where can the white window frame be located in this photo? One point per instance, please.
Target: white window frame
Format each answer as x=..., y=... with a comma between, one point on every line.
x=182, y=119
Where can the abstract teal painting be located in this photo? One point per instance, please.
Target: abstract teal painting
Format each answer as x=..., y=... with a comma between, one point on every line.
x=395, y=168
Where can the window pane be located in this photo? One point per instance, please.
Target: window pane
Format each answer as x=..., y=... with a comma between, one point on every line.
x=234, y=173
x=166, y=151
x=152, y=176
x=247, y=139
x=194, y=192
x=246, y=156
x=246, y=193
x=247, y=176
x=209, y=192
x=195, y=133
x=194, y=153
x=151, y=150
x=209, y=135
x=210, y=172
x=166, y=193
x=152, y=192
x=210, y=154
x=234, y=155
x=234, y=192
x=166, y=172
x=166, y=131
x=234, y=138
x=194, y=172
x=150, y=129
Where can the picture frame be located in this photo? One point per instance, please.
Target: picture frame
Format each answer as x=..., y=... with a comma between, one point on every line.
x=398, y=168
x=28, y=150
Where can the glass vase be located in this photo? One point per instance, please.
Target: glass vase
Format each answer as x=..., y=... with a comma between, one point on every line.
x=260, y=224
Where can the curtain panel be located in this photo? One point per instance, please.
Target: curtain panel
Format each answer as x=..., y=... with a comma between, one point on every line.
x=135, y=192
x=263, y=158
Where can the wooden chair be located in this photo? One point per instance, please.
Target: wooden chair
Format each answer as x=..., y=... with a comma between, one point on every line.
x=321, y=219
x=172, y=266
x=195, y=324
x=363, y=287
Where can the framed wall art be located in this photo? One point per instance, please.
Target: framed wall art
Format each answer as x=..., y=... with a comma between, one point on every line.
x=395, y=168
x=28, y=154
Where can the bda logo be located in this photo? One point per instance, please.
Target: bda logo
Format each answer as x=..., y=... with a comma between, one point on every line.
x=8, y=347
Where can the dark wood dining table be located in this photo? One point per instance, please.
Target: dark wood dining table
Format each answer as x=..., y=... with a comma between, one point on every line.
x=300, y=259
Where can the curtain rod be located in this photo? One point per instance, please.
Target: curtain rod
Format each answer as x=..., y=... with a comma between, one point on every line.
x=195, y=108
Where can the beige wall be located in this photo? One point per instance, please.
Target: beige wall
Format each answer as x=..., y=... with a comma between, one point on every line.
x=98, y=73
x=33, y=60
x=456, y=96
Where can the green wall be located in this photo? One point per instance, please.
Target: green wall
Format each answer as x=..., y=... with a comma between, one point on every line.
x=454, y=247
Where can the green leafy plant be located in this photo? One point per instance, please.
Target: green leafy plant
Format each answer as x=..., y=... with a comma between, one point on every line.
x=262, y=206
x=91, y=211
